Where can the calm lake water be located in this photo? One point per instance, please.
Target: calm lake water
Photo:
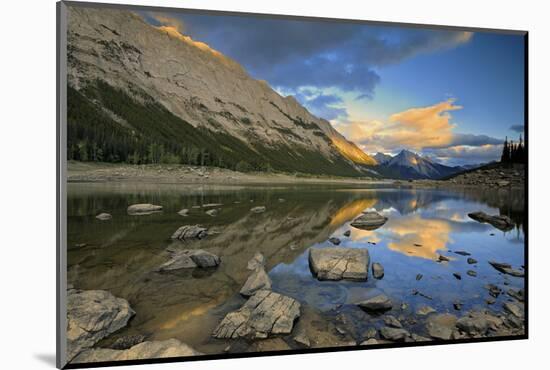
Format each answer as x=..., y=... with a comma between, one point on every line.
x=120, y=255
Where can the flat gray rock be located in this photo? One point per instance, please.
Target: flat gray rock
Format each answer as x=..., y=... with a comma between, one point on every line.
x=91, y=316
x=184, y=212
x=258, y=209
x=190, y=232
x=190, y=258
x=143, y=209
x=144, y=350
x=394, y=334
x=441, y=326
x=369, y=221
x=264, y=314
x=506, y=268
x=379, y=303
x=339, y=263
x=104, y=216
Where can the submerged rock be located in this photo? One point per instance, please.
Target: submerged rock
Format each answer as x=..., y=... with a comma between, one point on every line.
x=104, y=216
x=377, y=270
x=394, y=334
x=517, y=294
x=503, y=223
x=257, y=261
x=259, y=209
x=190, y=258
x=471, y=273
x=379, y=303
x=335, y=241
x=506, y=268
x=264, y=314
x=514, y=309
x=91, y=316
x=143, y=209
x=425, y=310
x=392, y=321
x=441, y=326
x=144, y=350
x=258, y=280
x=347, y=233
x=471, y=261
x=369, y=221
x=190, y=232
x=128, y=341
x=462, y=253
x=184, y=212
x=442, y=258
x=339, y=263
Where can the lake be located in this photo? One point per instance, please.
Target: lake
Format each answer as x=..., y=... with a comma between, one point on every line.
x=120, y=255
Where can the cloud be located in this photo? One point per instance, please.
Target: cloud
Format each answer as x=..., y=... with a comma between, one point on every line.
x=327, y=106
x=518, y=128
x=474, y=140
x=415, y=128
x=294, y=53
x=460, y=154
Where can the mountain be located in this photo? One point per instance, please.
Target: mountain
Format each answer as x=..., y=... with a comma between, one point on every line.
x=409, y=165
x=144, y=94
x=382, y=158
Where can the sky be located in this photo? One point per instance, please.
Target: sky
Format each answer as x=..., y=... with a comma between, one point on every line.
x=452, y=96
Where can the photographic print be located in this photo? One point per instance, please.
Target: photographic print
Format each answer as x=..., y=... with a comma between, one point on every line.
x=242, y=184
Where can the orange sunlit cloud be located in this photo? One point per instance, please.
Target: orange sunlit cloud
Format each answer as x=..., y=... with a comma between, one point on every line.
x=414, y=128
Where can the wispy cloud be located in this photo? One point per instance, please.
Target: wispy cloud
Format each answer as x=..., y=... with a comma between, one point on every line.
x=518, y=128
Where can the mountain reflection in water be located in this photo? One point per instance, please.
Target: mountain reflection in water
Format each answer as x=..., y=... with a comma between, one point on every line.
x=121, y=255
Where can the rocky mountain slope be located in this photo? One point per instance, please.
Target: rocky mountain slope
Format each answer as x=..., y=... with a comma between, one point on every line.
x=141, y=94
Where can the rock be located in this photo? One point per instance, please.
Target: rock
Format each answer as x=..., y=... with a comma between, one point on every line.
x=128, y=341
x=503, y=223
x=369, y=221
x=419, y=338
x=258, y=260
x=418, y=277
x=91, y=316
x=394, y=334
x=190, y=258
x=494, y=290
x=473, y=325
x=442, y=258
x=347, y=233
x=471, y=273
x=425, y=310
x=270, y=344
x=184, y=212
x=441, y=326
x=457, y=275
x=143, y=209
x=259, y=209
x=369, y=341
x=503, y=183
x=506, y=268
x=457, y=305
x=104, y=216
x=471, y=261
x=335, y=241
x=141, y=351
x=210, y=205
x=212, y=212
x=281, y=200
x=379, y=303
x=301, y=338
x=370, y=333
x=462, y=253
x=377, y=270
x=264, y=314
x=517, y=294
x=256, y=281
x=190, y=232
x=514, y=309
x=490, y=301
x=339, y=263
x=392, y=321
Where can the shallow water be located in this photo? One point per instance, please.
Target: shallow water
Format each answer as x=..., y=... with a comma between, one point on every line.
x=121, y=254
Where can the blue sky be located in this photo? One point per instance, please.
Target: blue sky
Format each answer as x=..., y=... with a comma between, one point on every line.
x=449, y=95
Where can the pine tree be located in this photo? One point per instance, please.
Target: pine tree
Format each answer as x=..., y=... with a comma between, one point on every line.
x=505, y=157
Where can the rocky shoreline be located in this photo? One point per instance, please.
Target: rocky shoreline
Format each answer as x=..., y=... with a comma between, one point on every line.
x=270, y=321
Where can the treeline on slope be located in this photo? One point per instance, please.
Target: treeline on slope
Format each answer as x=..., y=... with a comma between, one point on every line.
x=513, y=152
x=154, y=135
